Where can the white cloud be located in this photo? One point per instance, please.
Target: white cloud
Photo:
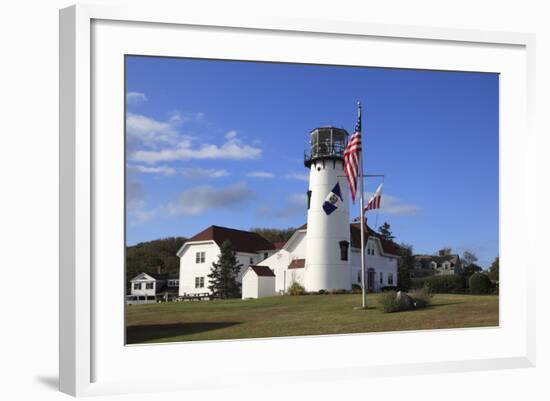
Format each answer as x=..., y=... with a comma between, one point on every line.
x=163, y=170
x=297, y=176
x=260, y=174
x=149, y=132
x=201, y=173
x=151, y=141
x=231, y=135
x=181, y=117
x=185, y=151
x=394, y=205
x=296, y=206
x=135, y=204
x=141, y=215
x=197, y=200
x=135, y=97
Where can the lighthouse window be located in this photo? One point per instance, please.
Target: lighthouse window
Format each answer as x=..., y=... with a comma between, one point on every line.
x=308, y=199
x=344, y=250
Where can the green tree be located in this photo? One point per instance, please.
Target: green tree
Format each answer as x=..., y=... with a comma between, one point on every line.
x=479, y=283
x=469, y=258
x=149, y=256
x=493, y=270
x=385, y=231
x=471, y=269
x=444, y=252
x=223, y=277
x=405, y=266
x=274, y=234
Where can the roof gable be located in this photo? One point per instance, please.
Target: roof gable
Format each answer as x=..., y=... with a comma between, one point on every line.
x=143, y=276
x=262, y=271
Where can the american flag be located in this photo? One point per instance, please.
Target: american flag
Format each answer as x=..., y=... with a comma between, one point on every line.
x=351, y=158
x=375, y=199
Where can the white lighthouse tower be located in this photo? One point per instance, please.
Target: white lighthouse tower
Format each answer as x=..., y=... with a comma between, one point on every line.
x=327, y=265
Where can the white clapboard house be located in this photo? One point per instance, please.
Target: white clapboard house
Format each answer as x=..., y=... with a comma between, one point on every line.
x=198, y=253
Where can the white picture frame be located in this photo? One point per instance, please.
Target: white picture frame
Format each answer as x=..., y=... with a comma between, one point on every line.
x=82, y=344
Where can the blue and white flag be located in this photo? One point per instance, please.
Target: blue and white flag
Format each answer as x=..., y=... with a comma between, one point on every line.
x=333, y=199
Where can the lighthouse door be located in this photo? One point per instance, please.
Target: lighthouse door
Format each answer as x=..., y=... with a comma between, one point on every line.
x=370, y=279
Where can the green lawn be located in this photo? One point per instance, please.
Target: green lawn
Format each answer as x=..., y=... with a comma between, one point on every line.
x=299, y=315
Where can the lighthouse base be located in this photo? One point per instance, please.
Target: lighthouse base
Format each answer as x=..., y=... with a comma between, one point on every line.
x=327, y=277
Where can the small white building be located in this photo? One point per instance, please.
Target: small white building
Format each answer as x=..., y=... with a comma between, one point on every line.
x=154, y=285
x=143, y=284
x=258, y=282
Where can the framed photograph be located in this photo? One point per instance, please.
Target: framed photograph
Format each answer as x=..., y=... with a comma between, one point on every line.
x=297, y=195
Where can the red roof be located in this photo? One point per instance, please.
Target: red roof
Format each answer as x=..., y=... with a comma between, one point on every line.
x=297, y=264
x=263, y=271
x=243, y=241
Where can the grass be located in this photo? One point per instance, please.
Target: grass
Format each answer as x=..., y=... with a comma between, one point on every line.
x=299, y=315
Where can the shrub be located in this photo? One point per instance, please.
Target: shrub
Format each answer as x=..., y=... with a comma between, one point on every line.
x=479, y=283
x=356, y=288
x=449, y=283
x=421, y=296
x=388, y=288
x=321, y=292
x=296, y=289
x=388, y=301
x=340, y=291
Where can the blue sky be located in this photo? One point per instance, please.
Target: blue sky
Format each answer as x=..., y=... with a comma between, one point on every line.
x=222, y=142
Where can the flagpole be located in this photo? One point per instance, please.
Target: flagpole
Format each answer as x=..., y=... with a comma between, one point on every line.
x=362, y=215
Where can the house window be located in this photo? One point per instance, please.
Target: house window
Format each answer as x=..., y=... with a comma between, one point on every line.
x=359, y=276
x=199, y=282
x=137, y=286
x=344, y=250
x=173, y=283
x=149, y=286
x=265, y=255
x=381, y=278
x=199, y=257
x=251, y=261
x=390, y=279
